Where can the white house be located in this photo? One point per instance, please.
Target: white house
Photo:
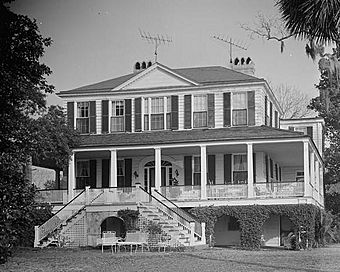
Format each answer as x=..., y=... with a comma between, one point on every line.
x=164, y=140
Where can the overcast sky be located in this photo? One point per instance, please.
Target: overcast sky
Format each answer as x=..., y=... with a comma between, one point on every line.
x=98, y=40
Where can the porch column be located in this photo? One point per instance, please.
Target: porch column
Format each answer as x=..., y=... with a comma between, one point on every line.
x=306, y=168
x=158, y=165
x=71, y=177
x=250, y=170
x=113, y=170
x=203, y=172
x=317, y=174
x=312, y=174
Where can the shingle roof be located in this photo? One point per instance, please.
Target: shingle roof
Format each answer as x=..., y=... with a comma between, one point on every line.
x=186, y=136
x=201, y=75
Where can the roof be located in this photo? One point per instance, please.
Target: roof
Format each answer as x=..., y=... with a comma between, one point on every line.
x=202, y=75
x=186, y=136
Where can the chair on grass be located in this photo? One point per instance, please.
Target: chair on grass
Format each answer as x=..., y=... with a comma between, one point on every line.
x=137, y=239
x=109, y=239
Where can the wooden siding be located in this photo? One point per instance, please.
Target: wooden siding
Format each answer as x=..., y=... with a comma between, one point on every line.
x=219, y=110
x=99, y=116
x=181, y=112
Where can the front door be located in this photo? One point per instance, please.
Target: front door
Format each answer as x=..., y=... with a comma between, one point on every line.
x=150, y=177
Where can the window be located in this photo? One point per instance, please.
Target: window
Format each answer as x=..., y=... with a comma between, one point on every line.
x=83, y=116
x=120, y=173
x=168, y=112
x=156, y=111
x=240, y=170
x=146, y=114
x=83, y=169
x=197, y=170
x=200, y=111
x=117, y=119
x=239, y=109
x=299, y=176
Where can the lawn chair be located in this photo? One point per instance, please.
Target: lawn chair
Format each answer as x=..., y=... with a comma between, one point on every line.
x=109, y=239
x=134, y=239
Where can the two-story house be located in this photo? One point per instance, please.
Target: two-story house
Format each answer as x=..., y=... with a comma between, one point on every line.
x=163, y=139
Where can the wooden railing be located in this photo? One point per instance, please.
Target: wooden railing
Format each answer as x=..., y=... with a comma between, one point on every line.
x=52, y=196
x=279, y=189
x=182, y=193
x=227, y=191
x=115, y=195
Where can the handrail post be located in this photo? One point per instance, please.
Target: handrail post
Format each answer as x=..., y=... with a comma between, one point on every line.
x=87, y=195
x=192, y=233
x=203, y=238
x=36, y=236
x=138, y=193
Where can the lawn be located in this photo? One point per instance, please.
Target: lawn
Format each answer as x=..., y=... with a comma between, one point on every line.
x=216, y=259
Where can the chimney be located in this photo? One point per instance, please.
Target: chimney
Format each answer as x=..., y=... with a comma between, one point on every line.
x=245, y=66
x=140, y=66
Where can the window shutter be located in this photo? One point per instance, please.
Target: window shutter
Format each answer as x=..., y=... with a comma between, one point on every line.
x=266, y=110
x=267, y=168
x=310, y=132
x=276, y=119
x=128, y=172
x=211, y=110
x=106, y=173
x=93, y=127
x=128, y=115
x=70, y=114
x=226, y=110
x=211, y=169
x=251, y=108
x=174, y=112
x=227, y=168
x=93, y=174
x=271, y=114
x=105, y=116
x=187, y=170
x=138, y=114
x=276, y=172
x=254, y=167
x=187, y=111
x=271, y=168
x=291, y=128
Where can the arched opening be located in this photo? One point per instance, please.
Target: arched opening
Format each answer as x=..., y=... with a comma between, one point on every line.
x=227, y=231
x=276, y=229
x=236, y=61
x=149, y=63
x=137, y=66
x=143, y=65
x=113, y=223
x=248, y=61
x=242, y=61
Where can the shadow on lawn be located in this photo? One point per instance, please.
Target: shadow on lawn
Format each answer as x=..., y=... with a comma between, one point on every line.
x=252, y=263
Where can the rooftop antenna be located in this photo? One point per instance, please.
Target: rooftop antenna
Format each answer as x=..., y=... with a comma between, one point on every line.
x=156, y=39
x=231, y=43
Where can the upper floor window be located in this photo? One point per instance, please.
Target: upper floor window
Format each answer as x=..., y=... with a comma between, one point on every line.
x=118, y=113
x=83, y=169
x=200, y=111
x=157, y=113
x=240, y=170
x=239, y=109
x=83, y=116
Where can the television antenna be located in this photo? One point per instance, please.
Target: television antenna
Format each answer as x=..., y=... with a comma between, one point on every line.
x=231, y=43
x=156, y=39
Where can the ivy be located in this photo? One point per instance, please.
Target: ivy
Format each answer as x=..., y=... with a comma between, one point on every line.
x=130, y=218
x=252, y=218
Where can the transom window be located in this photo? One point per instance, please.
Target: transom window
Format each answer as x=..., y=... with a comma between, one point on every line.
x=239, y=109
x=118, y=113
x=83, y=116
x=197, y=170
x=83, y=169
x=157, y=113
x=200, y=111
x=240, y=170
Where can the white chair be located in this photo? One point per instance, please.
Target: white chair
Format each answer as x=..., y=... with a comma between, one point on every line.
x=109, y=239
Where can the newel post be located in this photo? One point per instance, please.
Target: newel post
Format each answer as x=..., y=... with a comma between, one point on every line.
x=192, y=233
x=203, y=239
x=36, y=236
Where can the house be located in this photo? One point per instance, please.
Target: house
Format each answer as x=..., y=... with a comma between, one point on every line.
x=164, y=140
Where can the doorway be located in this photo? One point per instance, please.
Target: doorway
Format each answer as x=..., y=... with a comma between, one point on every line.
x=150, y=176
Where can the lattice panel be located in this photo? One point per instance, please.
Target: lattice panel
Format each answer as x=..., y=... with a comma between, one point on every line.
x=75, y=236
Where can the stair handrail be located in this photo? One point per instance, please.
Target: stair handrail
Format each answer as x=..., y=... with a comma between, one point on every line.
x=198, y=225
x=173, y=211
x=44, y=229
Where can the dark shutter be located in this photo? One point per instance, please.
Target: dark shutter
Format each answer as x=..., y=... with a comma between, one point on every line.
x=254, y=167
x=276, y=119
x=266, y=110
x=211, y=169
x=105, y=116
x=251, y=108
x=226, y=110
x=174, y=112
x=276, y=172
x=211, y=110
x=291, y=128
x=271, y=114
x=105, y=173
x=138, y=114
x=128, y=172
x=187, y=170
x=267, y=168
x=310, y=132
x=227, y=168
x=93, y=125
x=93, y=174
x=128, y=111
x=280, y=174
x=187, y=111
x=70, y=114
x=271, y=168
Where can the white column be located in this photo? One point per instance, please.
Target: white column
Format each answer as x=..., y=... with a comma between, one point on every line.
x=71, y=177
x=113, y=170
x=165, y=110
x=306, y=168
x=203, y=172
x=75, y=115
x=312, y=174
x=158, y=165
x=250, y=170
x=321, y=185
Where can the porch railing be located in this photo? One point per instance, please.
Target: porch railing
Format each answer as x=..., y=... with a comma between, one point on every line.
x=53, y=196
x=279, y=189
x=115, y=195
x=222, y=191
x=182, y=193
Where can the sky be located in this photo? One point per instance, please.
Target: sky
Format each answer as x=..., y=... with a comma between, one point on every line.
x=98, y=40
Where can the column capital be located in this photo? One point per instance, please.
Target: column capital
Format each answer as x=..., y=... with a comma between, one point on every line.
x=157, y=148
x=249, y=144
x=202, y=145
x=113, y=149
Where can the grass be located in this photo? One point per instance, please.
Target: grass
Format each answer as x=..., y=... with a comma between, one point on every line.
x=215, y=259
